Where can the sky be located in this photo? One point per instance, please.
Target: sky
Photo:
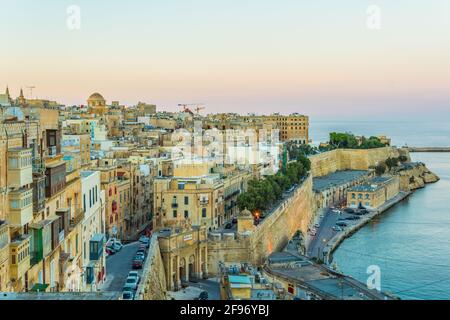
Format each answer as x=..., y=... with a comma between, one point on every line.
x=316, y=57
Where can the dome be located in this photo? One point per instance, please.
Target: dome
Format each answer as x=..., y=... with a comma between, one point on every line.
x=96, y=97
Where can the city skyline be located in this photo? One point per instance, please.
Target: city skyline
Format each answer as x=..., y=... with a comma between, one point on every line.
x=315, y=58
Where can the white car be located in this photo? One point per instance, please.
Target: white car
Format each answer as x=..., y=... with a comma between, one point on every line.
x=131, y=282
x=115, y=244
x=134, y=274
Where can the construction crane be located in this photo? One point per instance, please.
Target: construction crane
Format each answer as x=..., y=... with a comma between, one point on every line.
x=31, y=91
x=197, y=107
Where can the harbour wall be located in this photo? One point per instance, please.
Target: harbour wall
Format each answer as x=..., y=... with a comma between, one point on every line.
x=352, y=159
x=271, y=235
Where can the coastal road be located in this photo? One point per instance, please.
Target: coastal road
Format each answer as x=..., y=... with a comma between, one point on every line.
x=118, y=266
x=325, y=232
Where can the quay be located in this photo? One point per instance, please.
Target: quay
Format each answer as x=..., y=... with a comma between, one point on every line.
x=354, y=226
x=429, y=149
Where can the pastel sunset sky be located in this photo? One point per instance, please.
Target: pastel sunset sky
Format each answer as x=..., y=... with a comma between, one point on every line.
x=316, y=57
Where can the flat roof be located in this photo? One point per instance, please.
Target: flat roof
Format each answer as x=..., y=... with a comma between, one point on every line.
x=239, y=280
x=366, y=188
x=337, y=178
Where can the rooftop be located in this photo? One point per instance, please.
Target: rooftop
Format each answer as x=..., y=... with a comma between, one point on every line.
x=337, y=178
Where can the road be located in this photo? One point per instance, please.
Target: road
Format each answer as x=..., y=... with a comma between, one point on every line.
x=325, y=232
x=118, y=266
x=212, y=286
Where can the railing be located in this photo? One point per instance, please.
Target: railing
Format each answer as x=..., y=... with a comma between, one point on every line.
x=38, y=166
x=79, y=216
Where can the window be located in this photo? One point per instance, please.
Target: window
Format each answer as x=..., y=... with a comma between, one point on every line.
x=186, y=214
x=186, y=200
x=203, y=212
x=13, y=163
x=353, y=196
x=174, y=213
x=84, y=202
x=14, y=204
x=367, y=203
x=367, y=196
x=360, y=196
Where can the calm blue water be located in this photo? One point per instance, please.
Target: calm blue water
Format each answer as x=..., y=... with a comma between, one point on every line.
x=411, y=242
x=411, y=133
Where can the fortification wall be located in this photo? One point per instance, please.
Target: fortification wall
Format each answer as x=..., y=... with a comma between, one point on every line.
x=352, y=159
x=269, y=236
x=153, y=285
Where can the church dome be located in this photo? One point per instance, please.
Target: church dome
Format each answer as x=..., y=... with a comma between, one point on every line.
x=96, y=97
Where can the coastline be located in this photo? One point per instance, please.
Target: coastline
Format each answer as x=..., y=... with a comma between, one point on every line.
x=335, y=242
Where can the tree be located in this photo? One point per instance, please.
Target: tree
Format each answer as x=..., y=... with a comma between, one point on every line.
x=392, y=162
x=380, y=169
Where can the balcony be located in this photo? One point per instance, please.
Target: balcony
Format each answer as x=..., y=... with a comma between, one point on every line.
x=77, y=218
x=21, y=207
x=174, y=205
x=19, y=257
x=38, y=193
x=41, y=244
x=96, y=247
x=19, y=167
x=38, y=167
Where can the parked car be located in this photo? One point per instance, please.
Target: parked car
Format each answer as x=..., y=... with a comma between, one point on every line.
x=349, y=210
x=138, y=263
x=134, y=274
x=110, y=251
x=127, y=287
x=312, y=233
x=127, y=295
x=139, y=256
x=316, y=226
x=234, y=221
x=353, y=218
x=341, y=224
x=228, y=226
x=336, y=211
x=143, y=248
x=337, y=228
x=203, y=295
x=132, y=282
x=145, y=241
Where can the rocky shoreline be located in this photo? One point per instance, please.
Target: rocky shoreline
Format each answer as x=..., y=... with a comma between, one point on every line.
x=415, y=175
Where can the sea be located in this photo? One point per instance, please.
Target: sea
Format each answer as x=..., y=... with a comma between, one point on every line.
x=409, y=245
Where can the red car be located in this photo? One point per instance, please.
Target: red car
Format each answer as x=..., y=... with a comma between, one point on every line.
x=138, y=264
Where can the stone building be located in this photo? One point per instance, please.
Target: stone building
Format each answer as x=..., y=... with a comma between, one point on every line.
x=185, y=254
